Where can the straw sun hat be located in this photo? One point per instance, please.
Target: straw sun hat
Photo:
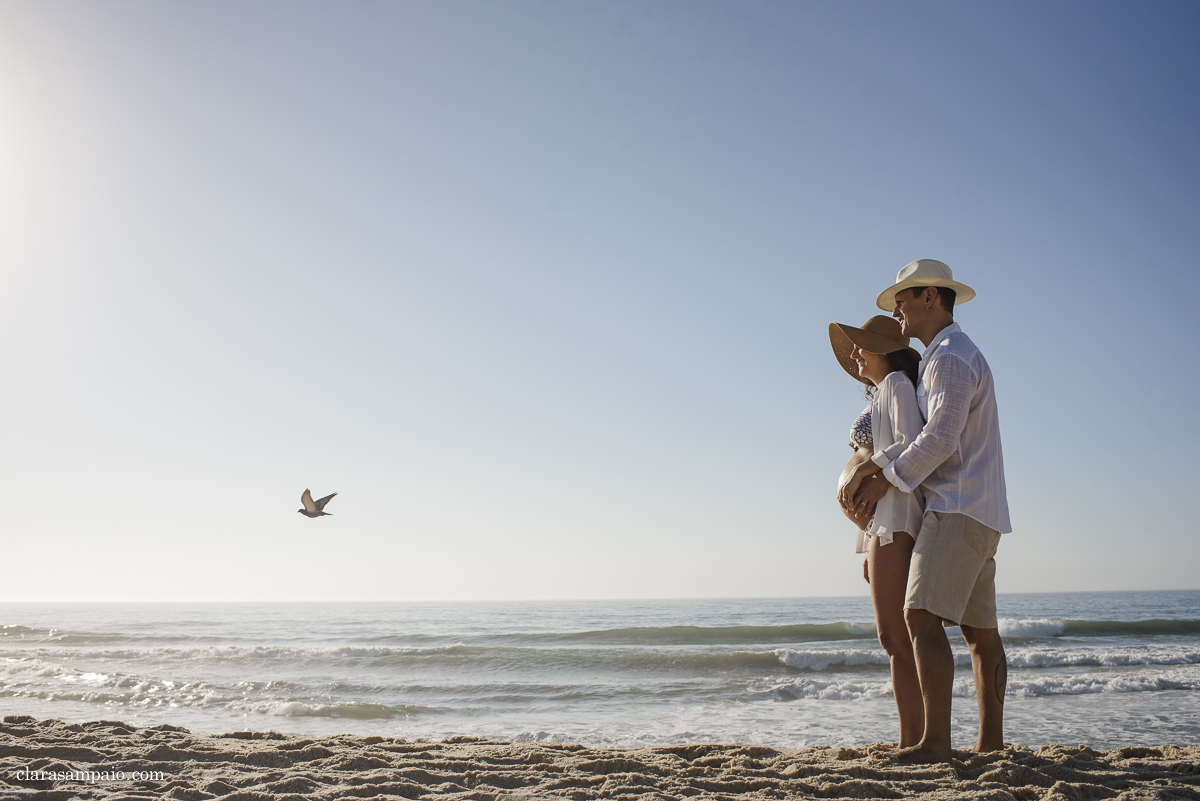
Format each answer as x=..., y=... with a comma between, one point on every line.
x=923, y=272
x=878, y=335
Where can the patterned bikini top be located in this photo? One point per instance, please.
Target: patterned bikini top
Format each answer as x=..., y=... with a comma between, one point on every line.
x=860, y=432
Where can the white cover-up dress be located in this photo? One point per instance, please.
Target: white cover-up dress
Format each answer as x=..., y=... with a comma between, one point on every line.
x=895, y=422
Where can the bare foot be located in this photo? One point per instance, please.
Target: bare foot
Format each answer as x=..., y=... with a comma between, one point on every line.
x=920, y=755
x=985, y=748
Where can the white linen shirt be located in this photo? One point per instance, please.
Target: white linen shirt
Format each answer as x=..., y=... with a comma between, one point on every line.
x=956, y=459
x=895, y=423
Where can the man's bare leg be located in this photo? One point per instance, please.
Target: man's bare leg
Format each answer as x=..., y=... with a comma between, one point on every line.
x=990, y=668
x=935, y=668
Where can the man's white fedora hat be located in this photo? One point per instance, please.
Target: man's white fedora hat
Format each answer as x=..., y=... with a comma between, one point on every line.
x=923, y=272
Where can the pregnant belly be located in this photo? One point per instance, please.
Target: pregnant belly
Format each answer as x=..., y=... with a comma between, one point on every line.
x=861, y=455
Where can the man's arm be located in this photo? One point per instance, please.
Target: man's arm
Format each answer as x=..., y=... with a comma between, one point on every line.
x=950, y=384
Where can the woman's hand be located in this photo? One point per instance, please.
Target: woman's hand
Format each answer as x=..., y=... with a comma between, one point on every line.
x=871, y=491
x=866, y=572
x=860, y=518
x=848, y=491
x=841, y=490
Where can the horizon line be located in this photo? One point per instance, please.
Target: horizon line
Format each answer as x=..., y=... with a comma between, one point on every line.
x=537, y=600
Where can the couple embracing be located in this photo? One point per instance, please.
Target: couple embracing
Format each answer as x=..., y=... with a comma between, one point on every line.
x=926, y=489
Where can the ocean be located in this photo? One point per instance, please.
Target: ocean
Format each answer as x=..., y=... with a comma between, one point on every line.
x=1102, y=669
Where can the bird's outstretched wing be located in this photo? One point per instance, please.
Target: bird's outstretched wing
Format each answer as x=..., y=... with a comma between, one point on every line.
x=307, y=500
x=321, y=503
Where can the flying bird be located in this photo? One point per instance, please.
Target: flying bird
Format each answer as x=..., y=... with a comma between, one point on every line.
x=313, y=508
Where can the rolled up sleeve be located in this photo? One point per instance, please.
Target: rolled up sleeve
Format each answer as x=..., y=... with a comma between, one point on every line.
x=889, y=472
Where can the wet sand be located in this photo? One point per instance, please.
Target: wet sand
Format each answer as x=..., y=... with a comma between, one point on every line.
x=107, y=760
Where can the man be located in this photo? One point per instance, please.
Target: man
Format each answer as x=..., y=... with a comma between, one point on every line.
x=957, y=460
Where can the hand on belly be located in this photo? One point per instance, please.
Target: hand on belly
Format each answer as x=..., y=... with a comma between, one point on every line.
x=862, y=454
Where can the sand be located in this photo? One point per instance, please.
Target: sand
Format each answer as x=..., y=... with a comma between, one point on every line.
x=50, y=760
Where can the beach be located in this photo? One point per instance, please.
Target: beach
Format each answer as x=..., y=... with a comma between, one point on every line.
x=51, y=759
x=1107, y=670
x=597, y=700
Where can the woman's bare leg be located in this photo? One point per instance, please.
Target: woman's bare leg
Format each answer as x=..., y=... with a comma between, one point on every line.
x=888, y=569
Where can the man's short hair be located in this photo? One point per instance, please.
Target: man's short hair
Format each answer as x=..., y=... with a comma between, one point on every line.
x=948, y=297
x=945, y=294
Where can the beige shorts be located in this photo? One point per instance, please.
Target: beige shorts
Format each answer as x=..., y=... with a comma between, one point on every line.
x=953, y=570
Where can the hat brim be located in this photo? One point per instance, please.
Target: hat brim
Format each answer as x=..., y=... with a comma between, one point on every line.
x=887, y=298
x=843, y=338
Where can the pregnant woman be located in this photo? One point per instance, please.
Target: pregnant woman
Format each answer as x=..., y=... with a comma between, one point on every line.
x=877, y=354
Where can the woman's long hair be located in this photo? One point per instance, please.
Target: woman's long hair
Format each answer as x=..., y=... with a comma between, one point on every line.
x=903, y=361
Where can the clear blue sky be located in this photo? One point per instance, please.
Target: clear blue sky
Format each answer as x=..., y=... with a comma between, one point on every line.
x=541, y=289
